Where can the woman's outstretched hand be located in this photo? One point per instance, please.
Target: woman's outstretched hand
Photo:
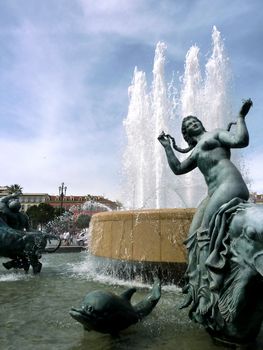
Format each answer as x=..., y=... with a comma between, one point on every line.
x=164, y=139
x=247, y=104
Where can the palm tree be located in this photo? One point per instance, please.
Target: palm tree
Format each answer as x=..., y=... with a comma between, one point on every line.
x=14, y=188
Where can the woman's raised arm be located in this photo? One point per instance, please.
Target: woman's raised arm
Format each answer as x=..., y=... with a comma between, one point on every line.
x=176, y=166
x=240, y=138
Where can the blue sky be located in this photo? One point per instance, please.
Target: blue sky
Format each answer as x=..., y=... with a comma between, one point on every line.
x=65, y=69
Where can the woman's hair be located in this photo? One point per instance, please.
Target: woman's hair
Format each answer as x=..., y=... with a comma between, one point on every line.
x=191, y=142
x=188, y=138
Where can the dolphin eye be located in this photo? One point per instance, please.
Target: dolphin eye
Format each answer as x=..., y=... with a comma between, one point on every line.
x=89, y=308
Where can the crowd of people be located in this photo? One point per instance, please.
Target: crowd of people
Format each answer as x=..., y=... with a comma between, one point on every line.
x=68, y=238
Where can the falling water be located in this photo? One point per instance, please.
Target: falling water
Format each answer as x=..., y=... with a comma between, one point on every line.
x=148, y=181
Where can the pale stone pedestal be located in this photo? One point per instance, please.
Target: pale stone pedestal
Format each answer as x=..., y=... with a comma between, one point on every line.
x=150, y=237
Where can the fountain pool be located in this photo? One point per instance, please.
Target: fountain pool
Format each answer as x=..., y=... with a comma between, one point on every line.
x=35, y=311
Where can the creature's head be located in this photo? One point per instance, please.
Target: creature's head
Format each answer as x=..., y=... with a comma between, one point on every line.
x=246, y=232
x=240, y=302
x=14, y=205
x=95, y=308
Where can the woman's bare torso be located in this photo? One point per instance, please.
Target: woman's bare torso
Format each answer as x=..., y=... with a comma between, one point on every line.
x=213, y=160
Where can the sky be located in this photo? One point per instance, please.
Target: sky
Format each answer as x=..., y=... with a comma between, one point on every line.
x=65, y=69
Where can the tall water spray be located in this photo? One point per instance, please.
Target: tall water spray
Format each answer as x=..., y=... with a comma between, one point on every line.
x=147, y=180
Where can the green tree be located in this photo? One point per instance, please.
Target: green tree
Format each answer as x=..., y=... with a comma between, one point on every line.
x=41, y=214
x=59, y=211
x=14, y=188
x=83, y=221
x=46, y=213
x=32, y=213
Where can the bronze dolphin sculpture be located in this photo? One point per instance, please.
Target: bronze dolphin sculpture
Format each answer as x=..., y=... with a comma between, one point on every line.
x=105, y=312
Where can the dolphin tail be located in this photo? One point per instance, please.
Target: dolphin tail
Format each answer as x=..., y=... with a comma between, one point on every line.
x=128, y=294
x=146, y=306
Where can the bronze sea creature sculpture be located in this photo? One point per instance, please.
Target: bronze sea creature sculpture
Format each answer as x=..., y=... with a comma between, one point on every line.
x=23, y=248
x=105, y=312
x=17, y=242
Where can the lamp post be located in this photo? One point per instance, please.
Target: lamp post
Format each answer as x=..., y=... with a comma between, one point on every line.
x=62, y=192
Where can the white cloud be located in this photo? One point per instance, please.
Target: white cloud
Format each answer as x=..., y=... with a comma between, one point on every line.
x=64, y=75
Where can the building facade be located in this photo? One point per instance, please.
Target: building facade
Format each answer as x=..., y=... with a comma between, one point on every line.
x=27, y=200
x=256, y=198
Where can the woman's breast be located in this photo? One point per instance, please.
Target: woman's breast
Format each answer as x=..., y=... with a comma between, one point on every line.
x=210, y=144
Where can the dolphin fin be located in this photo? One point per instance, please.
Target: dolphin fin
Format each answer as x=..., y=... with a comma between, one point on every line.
x=128, y=294
x=144, y=307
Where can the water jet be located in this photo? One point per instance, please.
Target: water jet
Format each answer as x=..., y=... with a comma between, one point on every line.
x=148, y=236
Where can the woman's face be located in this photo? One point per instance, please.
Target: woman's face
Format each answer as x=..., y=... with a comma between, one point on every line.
x=193, y=126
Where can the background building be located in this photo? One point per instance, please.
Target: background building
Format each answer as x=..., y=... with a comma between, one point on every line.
x=29, y=199
x=95, y=203
x=3, y=191
x=256, y=198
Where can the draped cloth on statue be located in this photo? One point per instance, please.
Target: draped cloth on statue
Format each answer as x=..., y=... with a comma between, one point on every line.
x=219, y=241
x=208, y=251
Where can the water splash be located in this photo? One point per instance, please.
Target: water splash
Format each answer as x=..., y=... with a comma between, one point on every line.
x=93, y=205
x=14, y=276
x=100, y=270
x=147, y=180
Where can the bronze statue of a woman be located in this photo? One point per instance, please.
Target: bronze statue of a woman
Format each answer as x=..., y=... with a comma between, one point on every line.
x=210, y=152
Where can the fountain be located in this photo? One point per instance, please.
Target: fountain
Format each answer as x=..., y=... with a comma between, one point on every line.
x=223, y=282
x=150, y=234
x=147, y=180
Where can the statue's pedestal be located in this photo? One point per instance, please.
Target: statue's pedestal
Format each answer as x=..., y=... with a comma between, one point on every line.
x=149, y=240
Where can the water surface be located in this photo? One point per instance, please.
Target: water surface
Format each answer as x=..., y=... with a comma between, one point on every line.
x=34, y=311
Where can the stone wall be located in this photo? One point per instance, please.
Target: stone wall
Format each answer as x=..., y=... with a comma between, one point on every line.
x=141, y=235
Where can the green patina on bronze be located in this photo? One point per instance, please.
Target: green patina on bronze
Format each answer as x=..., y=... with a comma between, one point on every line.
x=17, y=243
x=224, y=282
x=105, y=312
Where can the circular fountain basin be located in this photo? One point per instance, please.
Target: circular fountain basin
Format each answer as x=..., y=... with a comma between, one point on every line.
x=142, y=242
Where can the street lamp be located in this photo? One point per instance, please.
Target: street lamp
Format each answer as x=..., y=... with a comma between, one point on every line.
x=62, y=192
